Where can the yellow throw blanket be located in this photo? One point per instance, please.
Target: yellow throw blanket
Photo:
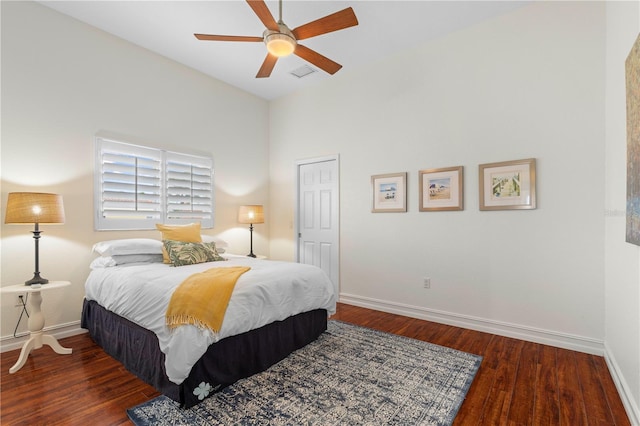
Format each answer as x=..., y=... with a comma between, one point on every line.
x=202, y=298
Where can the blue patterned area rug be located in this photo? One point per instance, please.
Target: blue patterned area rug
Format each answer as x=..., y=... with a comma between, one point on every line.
x=349, y=376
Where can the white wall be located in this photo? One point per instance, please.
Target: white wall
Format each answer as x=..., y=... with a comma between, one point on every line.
x=527, y=84
x=62, y=82
x=622, y=260
x=533, y=83
x=537, y=82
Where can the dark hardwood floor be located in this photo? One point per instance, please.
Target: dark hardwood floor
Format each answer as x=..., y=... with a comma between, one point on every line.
x=519, y=383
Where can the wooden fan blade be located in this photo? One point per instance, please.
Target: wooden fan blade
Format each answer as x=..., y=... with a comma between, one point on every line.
x=317, y=59
x=213, y=37
x=261, y=9
x=336, y=21
x=267, y=66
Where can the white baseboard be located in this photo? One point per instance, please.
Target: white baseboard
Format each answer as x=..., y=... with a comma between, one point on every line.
x=60, y=331
x=517, y=331
x=630, y=406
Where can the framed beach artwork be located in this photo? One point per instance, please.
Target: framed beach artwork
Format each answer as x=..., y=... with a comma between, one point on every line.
x=389, y=192
x=632, y=77
x=508, y=185
x=441, y=189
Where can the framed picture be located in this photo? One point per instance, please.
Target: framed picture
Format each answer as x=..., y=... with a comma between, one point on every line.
x=509, y=185
x=441, y=189
x=389, y=192
x=632, y=70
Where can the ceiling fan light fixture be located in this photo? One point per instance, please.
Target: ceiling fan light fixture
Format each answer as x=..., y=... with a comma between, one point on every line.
x=280, y=43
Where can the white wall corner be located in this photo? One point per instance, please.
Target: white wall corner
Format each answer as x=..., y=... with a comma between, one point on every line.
x=631, y=407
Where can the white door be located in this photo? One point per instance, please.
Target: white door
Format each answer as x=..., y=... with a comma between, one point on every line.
x=318, y=215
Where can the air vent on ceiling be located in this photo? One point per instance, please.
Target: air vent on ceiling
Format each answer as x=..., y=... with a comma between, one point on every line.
x=303, y=71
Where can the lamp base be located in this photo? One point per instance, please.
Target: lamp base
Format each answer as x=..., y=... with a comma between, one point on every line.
x=37, y=279
x=251, y=241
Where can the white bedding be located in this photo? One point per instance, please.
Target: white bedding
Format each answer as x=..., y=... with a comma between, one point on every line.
x=270, y=291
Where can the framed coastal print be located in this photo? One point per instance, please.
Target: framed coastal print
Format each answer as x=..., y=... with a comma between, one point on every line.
x=441, y=189
x=508, y=185
x=632, y=80
x=389, y=192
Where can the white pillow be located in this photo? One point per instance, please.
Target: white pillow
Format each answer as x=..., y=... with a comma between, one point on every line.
x=221, y=244
x=121, y=259
x=128, y=246
x=102, y=262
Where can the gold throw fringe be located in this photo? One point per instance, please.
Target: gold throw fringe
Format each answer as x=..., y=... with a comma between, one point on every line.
x=202, y=298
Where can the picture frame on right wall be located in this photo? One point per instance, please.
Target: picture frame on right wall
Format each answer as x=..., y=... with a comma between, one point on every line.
x=508, y=185
x=389, y=192
x=632, y=71
x=441, y=189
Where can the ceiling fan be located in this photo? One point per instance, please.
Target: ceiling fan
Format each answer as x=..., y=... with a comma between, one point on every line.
x=281, y=41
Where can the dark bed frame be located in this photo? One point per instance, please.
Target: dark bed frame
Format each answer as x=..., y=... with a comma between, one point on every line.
x=225, y=362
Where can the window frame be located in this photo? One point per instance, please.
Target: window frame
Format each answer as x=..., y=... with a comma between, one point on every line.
x=137, y=206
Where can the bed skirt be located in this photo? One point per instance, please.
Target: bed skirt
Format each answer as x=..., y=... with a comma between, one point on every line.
x=225, y=362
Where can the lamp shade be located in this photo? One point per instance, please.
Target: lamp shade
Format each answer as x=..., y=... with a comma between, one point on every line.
x=251, y=214
x=34, y=207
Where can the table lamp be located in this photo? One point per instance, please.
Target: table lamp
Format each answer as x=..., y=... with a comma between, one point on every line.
x=251, y=214
x=36, y=208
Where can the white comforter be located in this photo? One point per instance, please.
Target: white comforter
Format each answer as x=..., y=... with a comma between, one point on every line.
x=270, y=291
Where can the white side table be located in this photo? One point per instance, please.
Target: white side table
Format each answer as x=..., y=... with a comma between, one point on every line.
x=36, y=321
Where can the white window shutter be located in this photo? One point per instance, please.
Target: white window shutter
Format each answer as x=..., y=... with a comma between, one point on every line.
x=189, y=189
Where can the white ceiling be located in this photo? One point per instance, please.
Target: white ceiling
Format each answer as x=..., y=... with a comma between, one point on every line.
x=385, y=28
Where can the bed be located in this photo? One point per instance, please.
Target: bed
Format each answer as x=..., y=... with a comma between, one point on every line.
x=275, y=308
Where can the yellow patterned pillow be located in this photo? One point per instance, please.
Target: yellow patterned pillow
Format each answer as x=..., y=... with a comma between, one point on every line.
x=186, y=233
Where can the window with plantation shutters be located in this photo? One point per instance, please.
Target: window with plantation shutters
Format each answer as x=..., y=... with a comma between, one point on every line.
x=137, y=187
x=188, y=188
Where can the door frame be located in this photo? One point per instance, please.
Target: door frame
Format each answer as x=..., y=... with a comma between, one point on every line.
x=296, y=219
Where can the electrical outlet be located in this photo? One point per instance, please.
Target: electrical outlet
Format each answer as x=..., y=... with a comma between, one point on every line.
x=427, y=282
x=18, y=303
